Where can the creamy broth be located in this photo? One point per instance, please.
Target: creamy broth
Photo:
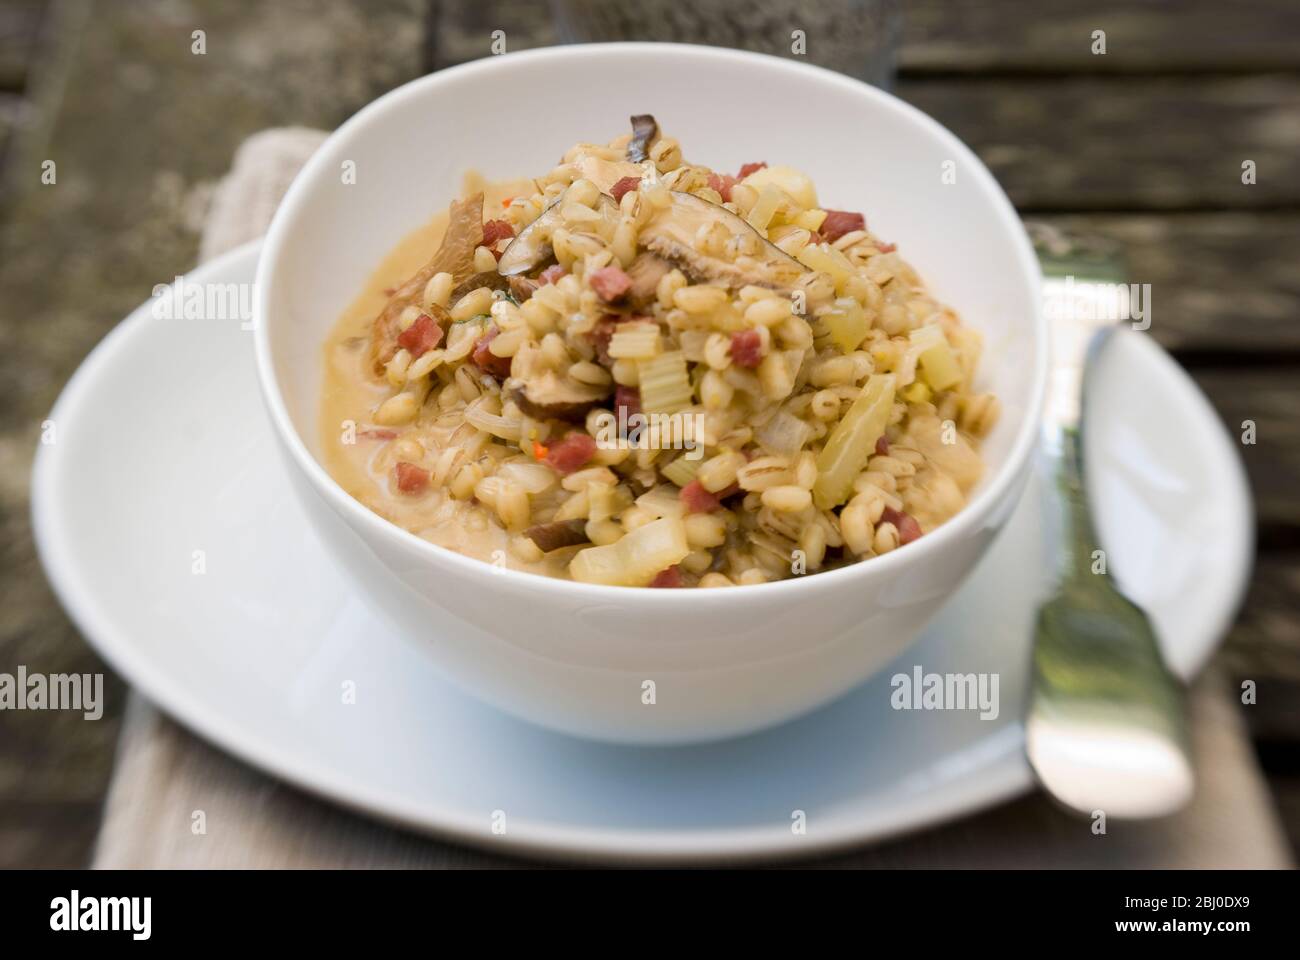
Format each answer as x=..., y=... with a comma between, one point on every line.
x=364, y=466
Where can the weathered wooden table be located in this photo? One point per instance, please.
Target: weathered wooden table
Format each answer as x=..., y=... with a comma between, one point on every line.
x=1144, y=144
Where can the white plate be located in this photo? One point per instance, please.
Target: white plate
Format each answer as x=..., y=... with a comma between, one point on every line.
x=162, y=449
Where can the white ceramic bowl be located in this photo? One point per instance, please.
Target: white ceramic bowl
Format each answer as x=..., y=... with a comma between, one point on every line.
x=578, y=657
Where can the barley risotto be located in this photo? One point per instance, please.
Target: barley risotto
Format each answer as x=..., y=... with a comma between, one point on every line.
x=637, y=370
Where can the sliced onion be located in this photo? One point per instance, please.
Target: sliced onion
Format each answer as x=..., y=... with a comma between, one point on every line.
x=535, y=478
x=491, y=423
x=784, y=435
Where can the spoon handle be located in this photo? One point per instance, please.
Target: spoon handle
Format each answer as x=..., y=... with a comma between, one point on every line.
x=1106, y=728
x=1063, y=446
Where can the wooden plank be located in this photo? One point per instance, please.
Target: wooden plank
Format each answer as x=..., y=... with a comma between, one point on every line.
x=1030, y=36
x=1085, y=142
x=1221, y=283
x=12, y=110
x=981, y=36
x=57, y=835
x=1285, y=789
x=462, y=30
x=1125, y=144
x=20, y=23
x=1265, y=642
x=1269, y=397
x=136, y=156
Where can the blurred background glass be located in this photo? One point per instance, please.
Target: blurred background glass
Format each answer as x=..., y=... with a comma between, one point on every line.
x=855, y=37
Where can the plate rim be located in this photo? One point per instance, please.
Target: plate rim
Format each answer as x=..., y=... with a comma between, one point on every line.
x=1003, y=778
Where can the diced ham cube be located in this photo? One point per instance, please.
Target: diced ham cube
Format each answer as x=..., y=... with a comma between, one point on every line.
x=600, y=338
x=669, y=577
x=495, y=230
x=749, y=168
x=411, y=478
x=722, y=183
x=486, y=360
x=625, y=185
x=627, y=400
x=840, y=222
x=698, y=500
x=601, y=334
x=886, y=247
x=377, y=433
x=908, y=528
x=421, y=336
x=610, y=283
x=572, y=452
x=552, y=274
x=882, y=445
x=747, y=348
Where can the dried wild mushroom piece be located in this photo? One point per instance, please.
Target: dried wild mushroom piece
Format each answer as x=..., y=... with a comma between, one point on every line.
x=532, y=247
x=644, y=132
x=551, y=397
x=455, y=256
x=672, y=234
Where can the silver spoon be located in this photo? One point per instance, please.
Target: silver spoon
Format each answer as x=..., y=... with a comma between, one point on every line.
x=1106, y=727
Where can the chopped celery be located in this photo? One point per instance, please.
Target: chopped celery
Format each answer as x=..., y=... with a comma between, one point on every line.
x=636, y=558
x=824, y=258
x=665, y=383
x=634, y=341
x=810, y=219
x=852, y=442
x=847, y=323
x=789, y=180
x=938, y=365
x=760, y=215
x=682, y=471
x=915, y=392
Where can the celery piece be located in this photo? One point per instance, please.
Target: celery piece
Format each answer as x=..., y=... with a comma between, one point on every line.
x=760, y=215
x=938, y=365
x=787, y=179
x=847, y=323
x=682, y=471
x=824, y=258
x=853, y=441
x=665, y=383
x=634, y=341
x=810, y=219
x=635, y=559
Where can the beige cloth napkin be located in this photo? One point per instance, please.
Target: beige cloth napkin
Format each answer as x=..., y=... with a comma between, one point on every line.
x=164, y=775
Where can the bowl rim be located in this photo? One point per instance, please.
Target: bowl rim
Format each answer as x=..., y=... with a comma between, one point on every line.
x=359, y=517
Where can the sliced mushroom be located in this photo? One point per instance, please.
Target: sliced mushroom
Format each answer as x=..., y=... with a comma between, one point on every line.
x=521, y=288
x=455, y=256
x=644, y=131
x=558, y=534
x=550, y=396
x=746, y=256
x=532, y=247
x=489, y=278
